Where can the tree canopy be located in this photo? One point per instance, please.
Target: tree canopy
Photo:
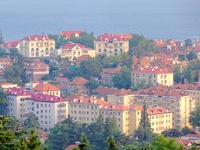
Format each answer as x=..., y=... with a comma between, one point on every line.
x=194, y=118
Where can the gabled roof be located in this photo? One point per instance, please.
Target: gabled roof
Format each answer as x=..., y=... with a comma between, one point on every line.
x=111, y=37
x=112, y=91
x=185, y=87
x=118, y=107
x=36, y=37
x=70, y=46
x=17, y=91
x=45, y=87
x=89, y=100
x=78, y=81
x=68, y=34
x=46, y=98
x=157, y=110
x=83, y=57
x=111, y=70
x=151, y=70
x=38, y=64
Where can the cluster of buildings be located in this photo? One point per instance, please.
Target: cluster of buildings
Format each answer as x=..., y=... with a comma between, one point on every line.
x=169, y=105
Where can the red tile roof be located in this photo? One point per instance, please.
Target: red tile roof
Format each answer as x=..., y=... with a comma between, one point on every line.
x=70, y=46
x=157, y=110
x=38, y=64
x=185, y=143
x=118, y=107
x=154, y=70
x=36, y=37
x=112, y=91
x=71, y=147
x=68, y=34
x=111, y=70
x=135, y=107
x=79, y=81
x=83, y=57
x=17, y=91
x=45, y=87
x=2, y=60
x=89, y=100
x=185, y=87
x=111, y=37
x=46, y=98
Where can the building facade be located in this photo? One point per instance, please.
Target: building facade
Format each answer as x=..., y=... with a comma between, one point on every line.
x=111, y=44
x=36, y=46
x=152, y=76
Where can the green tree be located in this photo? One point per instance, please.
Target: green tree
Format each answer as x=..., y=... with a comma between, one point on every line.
x=123, y=78
x=92, y=84
x=33, y=141
x=3, y=102
x=14, y=53
x=177, y=75
x=172, y=133
x=144, y=132
x=162, y=143
x=191, y=56
x=84, y=143
x=3, y=53
x=186, y=130
x=110, y=125
x=31, y=121
x=194, y=118
x=111, y=143
x=188, y=43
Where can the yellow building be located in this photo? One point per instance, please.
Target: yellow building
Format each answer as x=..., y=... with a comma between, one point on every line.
x=111, y=44
x=175, y=101
x=37, y=46
x=160, y=119
x=152, y=76
x=74, y=50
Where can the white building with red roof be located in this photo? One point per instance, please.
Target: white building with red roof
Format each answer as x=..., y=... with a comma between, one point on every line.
x=74, y=50
x=11, y=44
x=37, y=46
x=152, y=76
x=111, y=44
x=16, y=103
x=36, y=70
x=69, y=34
x=48, y=108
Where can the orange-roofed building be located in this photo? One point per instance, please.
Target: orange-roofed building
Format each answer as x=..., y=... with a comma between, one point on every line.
x=82, y=58
x=153, y=76
x=187, y=144
x=69, y=34
x=11, y=44
x=46, y=88
x=37, y=46
x=160, y=119
x=78, y=85
x=107, y=74
x=36, y=70
x=111, y=44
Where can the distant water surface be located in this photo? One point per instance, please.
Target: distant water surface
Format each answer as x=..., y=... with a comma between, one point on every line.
x=156, y=19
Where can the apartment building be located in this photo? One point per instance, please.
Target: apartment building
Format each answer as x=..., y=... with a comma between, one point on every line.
x=78, y=85
x=16, y=101
x=85, y=109
x=160, y=119
x=175, y=101
x=36, y=46
x=152, y=76
x=46, y=88
x=48, y=108
x=107, y=74
x=111, y=44
x=36, y=70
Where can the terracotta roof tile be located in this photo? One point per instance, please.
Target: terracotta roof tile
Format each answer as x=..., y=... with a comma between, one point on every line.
x=70, y=46
x=36, y=37
x=111, y=70
x=154, y=70
x=157, y=110
x=68, y=34
x=79, y=81
x=17, y=91
x=111, y=37
x=83, y=57
x=45, y=87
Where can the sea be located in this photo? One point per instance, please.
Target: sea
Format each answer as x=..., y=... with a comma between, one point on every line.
x=155, y=19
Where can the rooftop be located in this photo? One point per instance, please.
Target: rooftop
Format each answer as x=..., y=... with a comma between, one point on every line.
x=157, y=110
x=17, y=91
x=79, y=81
x=45, y=87
x=152, y=70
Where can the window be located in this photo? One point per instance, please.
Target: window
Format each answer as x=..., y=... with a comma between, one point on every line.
x=99, y=50
x=105, y=50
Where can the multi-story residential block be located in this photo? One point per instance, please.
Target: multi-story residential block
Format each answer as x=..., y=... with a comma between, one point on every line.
x=74, y=50
x=85, y=109
x=175, y=101
x=36, y=70
x=46, y=88
x=16, y=101
x=107, y=74
x=5, y=62
x=160, y=119
x=152, y=76
x=78, y=85
x=48, y=108
x=37, y=46
x=111, y=44
x=69, y=34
